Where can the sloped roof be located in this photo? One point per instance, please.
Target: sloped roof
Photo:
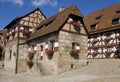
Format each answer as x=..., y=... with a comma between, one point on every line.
x=3, y=32
x=14, y=21
x=55, y=22
x=103, y=18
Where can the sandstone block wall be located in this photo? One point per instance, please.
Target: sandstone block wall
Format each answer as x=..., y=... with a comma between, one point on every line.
x=65, y=45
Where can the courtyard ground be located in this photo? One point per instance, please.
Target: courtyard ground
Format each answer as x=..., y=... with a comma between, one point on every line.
x=98, y=70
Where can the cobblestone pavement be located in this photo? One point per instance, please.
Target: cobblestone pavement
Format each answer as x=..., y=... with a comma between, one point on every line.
x=96, y=71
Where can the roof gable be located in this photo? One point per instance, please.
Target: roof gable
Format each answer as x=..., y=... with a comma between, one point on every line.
x=55, y=22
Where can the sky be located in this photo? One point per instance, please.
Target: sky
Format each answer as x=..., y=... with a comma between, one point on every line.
x=10, y=9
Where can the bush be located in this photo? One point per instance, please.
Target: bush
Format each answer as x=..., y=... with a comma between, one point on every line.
x=74, y=54
x=50, y=54
x=30, y=64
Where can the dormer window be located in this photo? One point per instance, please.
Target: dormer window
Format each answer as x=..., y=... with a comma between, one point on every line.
x=93, y=27
x=116, y=21
x=118, y=11
x=98, y=17
x=70, y=20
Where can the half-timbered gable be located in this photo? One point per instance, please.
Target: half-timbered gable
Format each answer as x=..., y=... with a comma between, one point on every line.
x=104, y=32
x=74, y=24
x=32, y=19
x=61, y=40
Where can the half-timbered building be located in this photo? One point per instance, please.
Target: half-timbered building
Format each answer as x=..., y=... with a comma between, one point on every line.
x=18, y=31
x=104, y=32
x=59, y=43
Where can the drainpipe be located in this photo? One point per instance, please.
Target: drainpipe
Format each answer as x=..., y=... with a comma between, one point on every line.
x=18, y=36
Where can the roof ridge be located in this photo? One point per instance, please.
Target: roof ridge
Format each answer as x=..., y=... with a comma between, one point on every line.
x=32, y=12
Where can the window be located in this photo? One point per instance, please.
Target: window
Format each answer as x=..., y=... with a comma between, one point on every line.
x=52, y=44
x=77, y=29
x=32, y=48
x=10, y=54
x=109, y=49
x=73, y=45
x=93, y=27
x=108, y=34
x=98, y=17
x=96, y=50
x=115, y=21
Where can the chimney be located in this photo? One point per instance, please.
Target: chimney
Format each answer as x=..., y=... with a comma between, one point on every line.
x=61, y=9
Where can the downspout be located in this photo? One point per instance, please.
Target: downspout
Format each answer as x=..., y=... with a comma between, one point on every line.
x=18, y=36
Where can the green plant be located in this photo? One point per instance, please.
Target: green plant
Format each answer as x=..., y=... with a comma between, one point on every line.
x=30, y=64
x=50, y=54
x=74, y=54
x=117, y=53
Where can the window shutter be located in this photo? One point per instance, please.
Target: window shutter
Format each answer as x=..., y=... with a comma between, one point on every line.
x=56, y=46
x=46, y=46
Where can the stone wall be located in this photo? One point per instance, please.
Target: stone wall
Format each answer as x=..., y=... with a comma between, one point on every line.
x=10, y=55
x=10, y=59
x=61, y=61
x=46, y=66
x=22, y=58
x=65, y=45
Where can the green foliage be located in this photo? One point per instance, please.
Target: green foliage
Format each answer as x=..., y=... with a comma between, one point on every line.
x=74, y=54
x=50, y=54
x=30, y=63
x=117, y=52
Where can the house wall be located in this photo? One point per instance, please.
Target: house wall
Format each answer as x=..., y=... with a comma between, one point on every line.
x=103, y=45
x=10, y=57
x=61, y=60
x=45, y=66
x=65, y=46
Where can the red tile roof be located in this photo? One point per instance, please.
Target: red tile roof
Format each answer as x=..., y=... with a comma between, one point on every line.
x=103, y=18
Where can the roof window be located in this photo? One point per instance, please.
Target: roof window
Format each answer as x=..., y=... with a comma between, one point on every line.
x=116, y=21
x=93, y=27
x=118, y=11
x=98, y=17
